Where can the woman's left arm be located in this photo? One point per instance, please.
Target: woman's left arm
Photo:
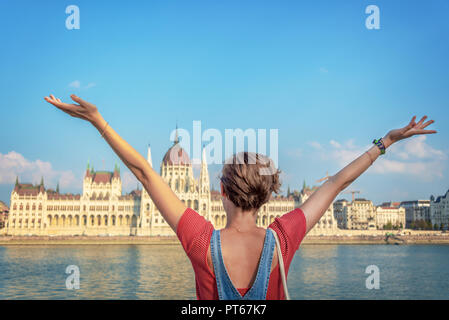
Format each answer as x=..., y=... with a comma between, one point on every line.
x=317, y=204
x=164, y=198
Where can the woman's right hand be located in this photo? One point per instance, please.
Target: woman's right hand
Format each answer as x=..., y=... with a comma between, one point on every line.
x=409, y=130
x=83, y=110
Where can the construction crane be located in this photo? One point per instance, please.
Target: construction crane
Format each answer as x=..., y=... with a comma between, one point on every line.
x=353, y=192
x=324, y=178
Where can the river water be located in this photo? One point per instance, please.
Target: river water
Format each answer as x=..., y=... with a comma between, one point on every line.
x=164, y=272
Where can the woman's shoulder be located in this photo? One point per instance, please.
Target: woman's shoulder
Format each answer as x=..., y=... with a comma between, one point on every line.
x=291, y=229
x=193, y=230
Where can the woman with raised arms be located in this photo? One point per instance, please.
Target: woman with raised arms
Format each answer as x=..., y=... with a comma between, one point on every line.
x=240, y=261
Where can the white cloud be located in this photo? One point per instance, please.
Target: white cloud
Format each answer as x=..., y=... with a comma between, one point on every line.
x=335, y=144
x=315, y=145
x=323, y=70
x=14, y=164
x=417, y=147
x=77, y=85
x=408, y=157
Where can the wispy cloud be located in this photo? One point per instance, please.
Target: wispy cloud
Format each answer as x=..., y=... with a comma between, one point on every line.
x=323, y=70
x=408, y=157
x=14, y=164
x=77, y=85
x=316, y=145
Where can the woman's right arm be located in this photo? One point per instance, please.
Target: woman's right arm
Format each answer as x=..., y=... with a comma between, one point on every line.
x=169, y=205
x=320, y=200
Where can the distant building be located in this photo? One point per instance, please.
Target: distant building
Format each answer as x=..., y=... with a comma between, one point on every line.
x=394, y=216
x=102, y=209
x=439, y=211
x=339, y=213
x=360, y=215
x=393, y=204
x=3, y=214
x=416, y=211
x=327, y=224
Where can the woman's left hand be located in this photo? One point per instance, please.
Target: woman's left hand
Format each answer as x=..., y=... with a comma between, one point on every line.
x=409, y=130
x=83, y=110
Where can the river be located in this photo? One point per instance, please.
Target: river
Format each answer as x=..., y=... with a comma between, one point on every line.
x=164, y=272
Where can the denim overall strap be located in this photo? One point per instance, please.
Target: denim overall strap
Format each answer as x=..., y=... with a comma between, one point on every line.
x=226, y=290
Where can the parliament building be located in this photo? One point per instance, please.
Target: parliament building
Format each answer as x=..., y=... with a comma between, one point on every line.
x=102, y=209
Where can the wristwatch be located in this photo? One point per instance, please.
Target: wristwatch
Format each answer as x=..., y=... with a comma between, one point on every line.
x=380, y=144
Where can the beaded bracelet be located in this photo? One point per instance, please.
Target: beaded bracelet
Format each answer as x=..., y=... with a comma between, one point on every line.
x=380, y=144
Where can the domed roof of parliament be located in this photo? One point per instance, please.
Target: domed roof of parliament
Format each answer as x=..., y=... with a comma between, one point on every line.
x=176, y=155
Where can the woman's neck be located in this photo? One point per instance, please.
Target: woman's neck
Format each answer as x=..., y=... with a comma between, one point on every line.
x=239, y=220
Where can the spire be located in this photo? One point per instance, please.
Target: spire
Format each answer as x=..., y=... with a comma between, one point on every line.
x=42, y=181
x=57, y=187
x=149, y=156
x=88, y=164
x=288, y=191
x=304, y=185
x=203, y=158
x=17, y=181
x=204, y=174
x=176, y=135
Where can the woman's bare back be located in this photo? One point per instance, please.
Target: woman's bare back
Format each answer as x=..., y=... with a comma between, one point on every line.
x=241, y=253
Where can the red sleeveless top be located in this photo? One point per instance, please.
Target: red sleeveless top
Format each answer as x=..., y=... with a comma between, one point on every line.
x=195, y=232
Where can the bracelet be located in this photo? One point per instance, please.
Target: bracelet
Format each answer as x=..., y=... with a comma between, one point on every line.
x=380, y=144
x=369, y=157
x=104, y=130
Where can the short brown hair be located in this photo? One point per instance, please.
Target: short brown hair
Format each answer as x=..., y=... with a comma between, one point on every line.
x=243, y=182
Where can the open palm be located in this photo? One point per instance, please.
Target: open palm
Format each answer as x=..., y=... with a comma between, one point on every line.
x=411, y=129
x=84, y=110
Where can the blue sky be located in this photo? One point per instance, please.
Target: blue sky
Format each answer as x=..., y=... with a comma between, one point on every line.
x=310, y=69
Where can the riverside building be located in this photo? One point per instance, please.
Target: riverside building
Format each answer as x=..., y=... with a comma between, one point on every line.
x=103, y=210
